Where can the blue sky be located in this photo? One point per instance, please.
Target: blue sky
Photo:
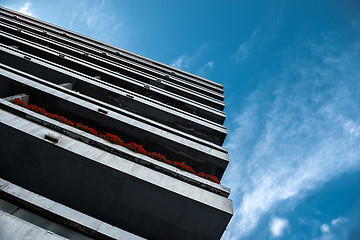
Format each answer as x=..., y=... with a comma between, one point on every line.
x=291, y=71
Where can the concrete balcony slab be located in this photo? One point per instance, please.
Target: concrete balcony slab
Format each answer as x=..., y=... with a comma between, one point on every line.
x=118, y=97
x=175, y=145
x=107, y=187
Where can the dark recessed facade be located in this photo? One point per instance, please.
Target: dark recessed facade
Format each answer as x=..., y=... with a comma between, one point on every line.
x=101, y=143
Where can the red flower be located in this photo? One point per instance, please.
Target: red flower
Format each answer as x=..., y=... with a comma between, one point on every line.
x=115, y=140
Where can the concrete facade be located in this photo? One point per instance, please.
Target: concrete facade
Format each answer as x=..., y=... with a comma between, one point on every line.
x=85, y=186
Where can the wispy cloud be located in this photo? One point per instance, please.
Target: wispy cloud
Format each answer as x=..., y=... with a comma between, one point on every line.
x=325, y=229
x=190, y=62
x=93, y=14
x=24, y=8
x=277, y=226
x=206, y=68
x=246, y=47
x=93, y=18
x=97, y=16
x=352, y=128
x=181, y=62
x=296, y=132
x=185, y=60
x=338, y=221
x=265, y=33
x=327, y=232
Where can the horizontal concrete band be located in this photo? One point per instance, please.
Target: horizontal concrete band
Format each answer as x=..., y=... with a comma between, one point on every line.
x=107, y=187
x=104, y=46
x=181, y=77
x=54, y=213
x=13, y=228
x=59, y=74
x=118, y=81
x=12, y=74
x=153, y=136
x=37, y=49
x=72, y=64
x=119, y=97
x=112, y=148
x=208, y=98
x=61, y=43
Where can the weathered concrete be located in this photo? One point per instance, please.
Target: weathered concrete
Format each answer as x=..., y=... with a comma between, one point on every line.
x=55, y=217
x=117, y=97
x=169, y=80
x=23, y=97
x=7, y=206
x=67, y=85
x=111, y=50
x=115, y=149
x=164, y=109
x=110, y=77
x=90, y=180
x=13, y=228
x=102, y=70
x=201, y=155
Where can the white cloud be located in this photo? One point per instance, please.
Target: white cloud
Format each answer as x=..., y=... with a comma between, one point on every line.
x=185, y=61
x=261, y=36
x=277, y=226
x=190, y=62
x=352, y=128
x=328, y=232
x=293, y=136
x=325, y=229
x=182, y=62
x=93, y=18
x=245, y=47
x=94, y=14
x=338, y=221
x=25, y=9
x=206, y=68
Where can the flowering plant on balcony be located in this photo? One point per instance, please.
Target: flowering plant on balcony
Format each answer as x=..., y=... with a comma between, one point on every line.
x=60, y=119
x=86, y=128
x=157, y=156
x=37, y=109
x=208, y=177
x=135, y=148
x=112, y=138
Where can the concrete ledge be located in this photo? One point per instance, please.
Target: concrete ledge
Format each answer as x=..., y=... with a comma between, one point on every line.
x=90, y=42
x=201, y=155
x=107, y=187
x=115, y=149
x=23, y=97
x=129, y=80
x=118, y=97
x=110, y=78
x=61, y=214
x=13, y=228
x=169, y=82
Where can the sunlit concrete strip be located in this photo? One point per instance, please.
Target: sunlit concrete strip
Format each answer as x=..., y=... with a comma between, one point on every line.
x=208, y=157
x=53, y=217
x=134, y=75
x=109, y=48
x=118, y=97
x=60, y=43
x=13, y=228
x=114, y=149
x=71, y=64
x=91, y=180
